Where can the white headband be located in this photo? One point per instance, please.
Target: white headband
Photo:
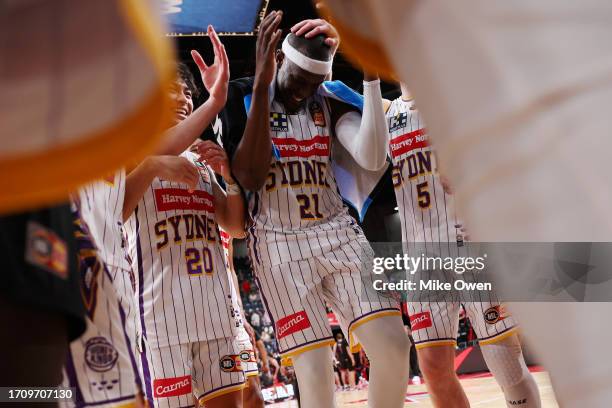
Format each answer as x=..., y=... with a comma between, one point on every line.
x=306, y=63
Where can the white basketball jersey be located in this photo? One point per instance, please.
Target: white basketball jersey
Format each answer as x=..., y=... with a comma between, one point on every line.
x=299, y=212
x=102, y=208
x=183, y=287
x=427, y=211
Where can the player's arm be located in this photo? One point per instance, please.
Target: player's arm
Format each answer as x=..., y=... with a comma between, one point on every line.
x=251, y=159
x=229, y=203
x=365, y=136
x=263, y=355
x=171, y=168
x=215, y=79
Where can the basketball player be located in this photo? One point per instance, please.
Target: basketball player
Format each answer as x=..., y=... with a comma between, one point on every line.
x=251, y=395
x=306, y=249
x=101, y=364
x=522, y=128
x=429, y=220
x=183, y=287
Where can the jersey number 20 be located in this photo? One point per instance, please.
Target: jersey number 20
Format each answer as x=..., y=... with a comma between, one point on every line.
x=198, y=261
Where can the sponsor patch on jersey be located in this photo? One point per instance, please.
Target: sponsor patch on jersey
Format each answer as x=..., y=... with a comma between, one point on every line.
x=495, y=314
x=290, y=147
x=170, y=199
x=100, y=354
x=279, y=122
x=247, y=356
x=45, y=250
x=172, y=387
x=409, y=141
x=318, y=117
x=230, y=363
x=420, y=321
x=399, y=121
x=292, y=324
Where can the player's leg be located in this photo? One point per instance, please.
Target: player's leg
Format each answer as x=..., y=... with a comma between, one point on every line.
x=315, y=374
x=388, y=348
x=437, y=366
x=218, y=378
x=505, y=361
x=251, y=395
x=501, y=349
x=434, y=329
x=292, y=295
x=371, y=319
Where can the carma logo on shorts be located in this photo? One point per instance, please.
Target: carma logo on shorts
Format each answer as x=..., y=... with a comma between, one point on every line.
x=292, y=324
x=420, y=321
x=172, y=387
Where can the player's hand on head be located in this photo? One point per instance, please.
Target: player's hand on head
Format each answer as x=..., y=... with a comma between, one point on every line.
x=313, y=27
x=216, y=76
x=214, y=156
x=267, y=40
x=177, y=169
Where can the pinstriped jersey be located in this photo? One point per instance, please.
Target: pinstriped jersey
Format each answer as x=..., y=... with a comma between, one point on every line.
x=102, y=207
x=299, y=212
x=174, y=242
x=100, y=364
x=427, y=210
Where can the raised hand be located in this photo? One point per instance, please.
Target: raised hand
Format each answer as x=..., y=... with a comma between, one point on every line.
x=267, y=39
x=213, y=155
x=216, y=76
x=310, y=28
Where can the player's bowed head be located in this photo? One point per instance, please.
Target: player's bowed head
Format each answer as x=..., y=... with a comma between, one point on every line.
x=294, y=83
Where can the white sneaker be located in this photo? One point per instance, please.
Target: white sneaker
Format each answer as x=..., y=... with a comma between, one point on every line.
x=416, y=380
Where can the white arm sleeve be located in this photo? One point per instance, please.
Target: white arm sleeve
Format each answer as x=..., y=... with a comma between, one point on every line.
x=365, y=136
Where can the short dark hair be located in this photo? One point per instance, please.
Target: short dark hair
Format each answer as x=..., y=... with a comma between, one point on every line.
x=314, y=47
x=185, y=75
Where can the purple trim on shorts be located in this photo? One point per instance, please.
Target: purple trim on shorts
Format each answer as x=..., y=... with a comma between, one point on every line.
x=72, y=377
x=371, y=313
x=129, y=347
x=221, y=388
x=498, y=333
x=305, y=344
x=432, y=340
x=143, y=358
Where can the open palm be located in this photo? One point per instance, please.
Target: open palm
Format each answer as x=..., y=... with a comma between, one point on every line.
x=216, y=76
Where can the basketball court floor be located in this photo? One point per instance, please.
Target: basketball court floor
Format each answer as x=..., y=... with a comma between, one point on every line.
x=481, y=389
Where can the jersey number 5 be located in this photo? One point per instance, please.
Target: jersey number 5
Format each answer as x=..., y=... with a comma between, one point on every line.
x=306, y=212
x=198, y=261
x=424, y=197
